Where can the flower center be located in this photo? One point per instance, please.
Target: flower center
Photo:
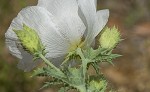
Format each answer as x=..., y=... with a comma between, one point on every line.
x=74, y=45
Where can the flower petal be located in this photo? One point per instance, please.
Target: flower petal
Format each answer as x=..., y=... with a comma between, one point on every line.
x=27, y=63
x=44, y=24
x=103, y=16
x=95, y=3
x=100, y=21
x=26, y=60
x=89, y=11
x=93, y=20
x=12, y=46
x=66, y=12
x=12, y=39
x=55, y=60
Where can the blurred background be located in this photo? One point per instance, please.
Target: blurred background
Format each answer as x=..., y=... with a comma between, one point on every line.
x=131, y=72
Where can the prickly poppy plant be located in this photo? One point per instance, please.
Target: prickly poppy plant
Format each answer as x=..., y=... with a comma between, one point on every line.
x=62, y=33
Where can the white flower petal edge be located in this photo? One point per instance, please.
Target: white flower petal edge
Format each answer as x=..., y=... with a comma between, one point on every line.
x=12, y=43
x=95, y=3
x=94, y=21
x=66, y=12
x=27, y=63
x=102, y=16
x=88, y=10
x=12, y=39
x=41, y=20
x=12, y=46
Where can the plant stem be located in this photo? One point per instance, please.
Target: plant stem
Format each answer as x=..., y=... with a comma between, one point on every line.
x=48, y=62
x=84, y=62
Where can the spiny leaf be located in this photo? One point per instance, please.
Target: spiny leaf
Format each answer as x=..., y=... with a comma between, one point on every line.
x=39, y=72
x=70, y=56
x=90, y=53
x=64, y=89
x=51, y=83
x=109, y=58
x=97, y=85
x=75, y=76
x=96, y=67
x=48, y=71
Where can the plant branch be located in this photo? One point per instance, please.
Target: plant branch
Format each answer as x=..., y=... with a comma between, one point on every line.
x=48, y=63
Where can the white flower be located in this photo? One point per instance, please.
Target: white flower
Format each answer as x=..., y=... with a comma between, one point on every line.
x=94, y=20
x=59, y=26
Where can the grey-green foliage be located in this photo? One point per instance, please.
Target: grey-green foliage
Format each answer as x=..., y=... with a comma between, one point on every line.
x=76, y=77
x=97, y=86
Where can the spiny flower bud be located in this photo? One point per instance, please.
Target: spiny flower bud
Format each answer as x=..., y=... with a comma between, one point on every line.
x=29, y=39
x=109, y=38
x=98, y=85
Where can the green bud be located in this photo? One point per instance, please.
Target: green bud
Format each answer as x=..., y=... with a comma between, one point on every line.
x=29, y=39
x=109, y=38
x=98, y=85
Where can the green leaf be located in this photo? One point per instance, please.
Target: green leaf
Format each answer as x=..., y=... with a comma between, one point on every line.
x=48, y=71
x=113, y=56
x=75, y=76
x=51, y=83
x=97, y=86
x=39, y=72
x=68, y=58
x=90, y=53
x=106, y=57
x=96, y=67
x=64, y=89
x=47, y=84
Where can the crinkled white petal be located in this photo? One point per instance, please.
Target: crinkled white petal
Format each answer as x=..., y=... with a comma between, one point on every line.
x=44, y=24
x=102, y=16
x=89, y=11
x=26, y=60
x=66, y=12
x=100, y=21
x=12, y=46
x=81, y=15
x=95, y=21
x=57, y=61
x=27, y=63
x=95, y=3
x=12, y=39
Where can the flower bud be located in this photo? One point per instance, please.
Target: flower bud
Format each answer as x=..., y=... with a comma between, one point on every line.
x=29, y=39
x=98, y=85
x=109, y=38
